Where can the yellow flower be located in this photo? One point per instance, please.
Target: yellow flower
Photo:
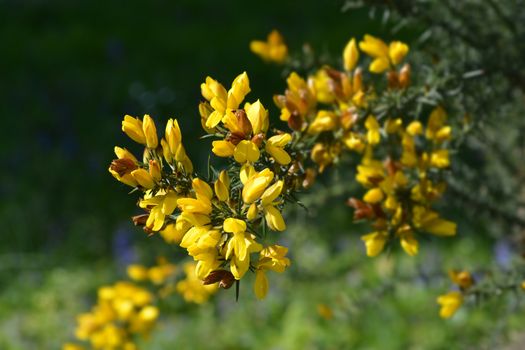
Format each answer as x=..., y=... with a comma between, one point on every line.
x=150, y=132
x=273, y=258
x=374, y=242
x=415, y=128
x=350, y=55
x=172, y=234
x=325, y=311
x=246, y=151
x=275, y=147
x=192, y=289
x=384, y=57
x=440, y=159
x=255, y=185
x=374, y=195
x=450, y=303
x=324, y=121
x=122, y=167
x=373, y=136
x=397, y=51
x=273, y=50
x=273, y=218
x=143, y=178
x=172, y=147
x=223, y=148
x=223, y=101
x=371, y=173
x=430, y=221
x=323, y=87
x=354, y=142
x=437, y=130
x=222, y=186
x=409, y=244
x=260, y=287
x=137, y=272
x=462, y=278
x=133, y=128
x=270, y=258
x=258, y=117
x=160, y=205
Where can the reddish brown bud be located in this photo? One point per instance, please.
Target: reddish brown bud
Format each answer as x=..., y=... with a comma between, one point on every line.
x=148, y=230
x=123, y=166
x=244, y=122
x=309, y=178
x=140, y=220
x=390, y=166
x=375, y=180
x=225, y=278
x=279, y=100
x=404, y=76
x=349, y=117
x=295, y=122
x=258, y=139
x=362, y=209
x=235, y=138
x=393, y=79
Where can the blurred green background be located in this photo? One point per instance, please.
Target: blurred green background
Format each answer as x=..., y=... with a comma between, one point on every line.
x=71, y=70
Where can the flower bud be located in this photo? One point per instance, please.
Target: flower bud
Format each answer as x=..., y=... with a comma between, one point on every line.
x=404, y=76
x=150, y=132
x=350, y=55
x=134, y=129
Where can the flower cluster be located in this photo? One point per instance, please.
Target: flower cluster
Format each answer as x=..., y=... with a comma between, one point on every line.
x=403, y=158
x=451, y=301
x=123, y=311
x=222, y=220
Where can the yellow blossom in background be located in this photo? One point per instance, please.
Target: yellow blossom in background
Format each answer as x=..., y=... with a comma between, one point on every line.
x=449, y=303
x=325, y=311
x=462, y=278
x=122, y=311
x=192, y=288
x=384, y=56
x=273, y=49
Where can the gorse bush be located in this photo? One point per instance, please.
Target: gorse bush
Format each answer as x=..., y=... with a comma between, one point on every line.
x=400, y=127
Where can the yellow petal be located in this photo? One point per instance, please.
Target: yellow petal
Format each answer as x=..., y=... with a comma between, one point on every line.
x=271, y=193
x=260, y=287
x=246, y=151
x=143, y=178
x=201, y=188
x=350, y=55
x=150, y=131
x=409, y=244
x=374, y=243
x=223, y=148
x=397, y=51
x=450, y=303
x=373, y=46
x=374, y=195
x=258, y=117
x=280, y=155
x=234, y=225
x=274, y=219
x=379, y=65
x=133, y=128
x=252, y=212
